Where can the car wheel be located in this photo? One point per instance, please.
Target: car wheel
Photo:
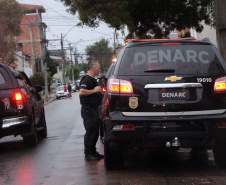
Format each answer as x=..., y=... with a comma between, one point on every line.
x=113, y=155
x=219, y=152
x=43, y=132
x=32, y=139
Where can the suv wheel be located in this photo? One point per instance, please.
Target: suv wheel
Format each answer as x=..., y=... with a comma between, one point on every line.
x=31, y=140
x=219, y=152
x=113, y=155
x=43, y=132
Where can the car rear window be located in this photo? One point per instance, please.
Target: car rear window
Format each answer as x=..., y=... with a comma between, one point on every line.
x=61, y=88
x=182, y=59
x=5, y=81
x=2, y=79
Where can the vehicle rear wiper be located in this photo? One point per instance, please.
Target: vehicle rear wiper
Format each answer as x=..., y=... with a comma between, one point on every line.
x=160, y=71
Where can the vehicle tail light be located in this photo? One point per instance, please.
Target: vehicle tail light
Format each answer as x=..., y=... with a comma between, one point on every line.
x=104, y=89
x=171, y=43
x=148, y=40
x=221, y=124
x=19, y=101
x=18, y=96
x=128, y=127
x=119, y=86
x=220, y=84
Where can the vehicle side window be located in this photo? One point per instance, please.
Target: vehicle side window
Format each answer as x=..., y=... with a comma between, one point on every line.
x=20, y=82
x=118, y=61
x=2, y=79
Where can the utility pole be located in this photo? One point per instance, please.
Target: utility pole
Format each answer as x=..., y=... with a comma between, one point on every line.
x=220, y=17
x=114, y=44
x=72, y=66
x=46, y=56
x=63, y=61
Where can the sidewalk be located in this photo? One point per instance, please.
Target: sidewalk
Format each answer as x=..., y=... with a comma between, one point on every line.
x=50, y=99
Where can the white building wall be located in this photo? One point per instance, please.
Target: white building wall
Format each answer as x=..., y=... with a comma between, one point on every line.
x=23, y=64
x=208, y=31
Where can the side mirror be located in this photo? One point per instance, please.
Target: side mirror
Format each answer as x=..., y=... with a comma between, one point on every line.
x=39, y=88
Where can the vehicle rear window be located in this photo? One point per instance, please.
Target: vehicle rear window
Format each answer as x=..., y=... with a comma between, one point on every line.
x=183, y=59
x=5, y=81
x=2, y=79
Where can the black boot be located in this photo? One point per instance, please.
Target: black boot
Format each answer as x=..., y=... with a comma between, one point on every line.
x=92, y=157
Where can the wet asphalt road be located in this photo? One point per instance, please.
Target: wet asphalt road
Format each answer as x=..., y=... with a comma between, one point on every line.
x=59, y=159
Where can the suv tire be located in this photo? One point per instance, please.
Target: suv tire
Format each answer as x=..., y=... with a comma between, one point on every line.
x=31, y=140
x=43, y=132
x=113, y=155
x=219, y=152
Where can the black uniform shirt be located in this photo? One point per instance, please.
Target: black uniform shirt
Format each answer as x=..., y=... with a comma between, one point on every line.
x=88, y=82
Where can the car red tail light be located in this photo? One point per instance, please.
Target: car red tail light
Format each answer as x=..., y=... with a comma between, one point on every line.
x=18, y=96
x=120, y=86
x=221, y=124
x=148, y=40
x=128, y=127
x=104, y=89
x=220, y=84
x=19, y=101
x=171, y=43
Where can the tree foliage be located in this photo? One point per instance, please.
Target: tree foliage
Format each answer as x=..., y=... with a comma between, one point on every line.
x=144, y=18
x=76, y=71
x=39, y=79
x=102, y=52
x=11, y=14
x=52, y=65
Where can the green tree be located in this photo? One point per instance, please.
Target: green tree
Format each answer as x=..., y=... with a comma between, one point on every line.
x=39, y=79
x=11, y=14
x=76, y=70
x=52, y=65
x=144, y=18
x=102, y=52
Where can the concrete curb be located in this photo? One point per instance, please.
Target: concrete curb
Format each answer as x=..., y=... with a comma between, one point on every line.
x=50, y=100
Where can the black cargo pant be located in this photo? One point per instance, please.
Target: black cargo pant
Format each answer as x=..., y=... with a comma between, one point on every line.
x=91, y=120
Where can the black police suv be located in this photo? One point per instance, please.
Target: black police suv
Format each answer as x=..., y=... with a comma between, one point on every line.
x=166, y=94
x=21, y=107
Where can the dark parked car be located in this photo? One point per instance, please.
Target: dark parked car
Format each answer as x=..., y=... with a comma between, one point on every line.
x=165, y=94
x=21, y=107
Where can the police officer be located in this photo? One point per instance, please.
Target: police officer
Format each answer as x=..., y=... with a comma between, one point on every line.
x=89, y=99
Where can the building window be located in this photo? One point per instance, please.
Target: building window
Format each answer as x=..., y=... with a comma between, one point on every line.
x=37, y=65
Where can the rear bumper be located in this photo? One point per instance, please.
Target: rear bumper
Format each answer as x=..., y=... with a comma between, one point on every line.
x=169, y=116
x=61, y=95
x=11, y=122
x=15, y=125
x=156, y=130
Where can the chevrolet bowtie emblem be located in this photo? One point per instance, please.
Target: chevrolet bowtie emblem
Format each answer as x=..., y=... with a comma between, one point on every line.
x=173, y=78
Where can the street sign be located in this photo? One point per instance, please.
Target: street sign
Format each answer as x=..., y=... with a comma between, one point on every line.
x=46, y=68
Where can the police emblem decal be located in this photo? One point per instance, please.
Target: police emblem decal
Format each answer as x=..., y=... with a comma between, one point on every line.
x=133, y=102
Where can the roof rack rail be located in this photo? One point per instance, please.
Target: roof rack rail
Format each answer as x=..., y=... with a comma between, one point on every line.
x=129, y=41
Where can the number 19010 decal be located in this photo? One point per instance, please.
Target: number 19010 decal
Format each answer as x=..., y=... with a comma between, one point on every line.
x=204, y=79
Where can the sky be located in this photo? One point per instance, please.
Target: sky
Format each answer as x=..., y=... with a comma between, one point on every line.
x=59, y=21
